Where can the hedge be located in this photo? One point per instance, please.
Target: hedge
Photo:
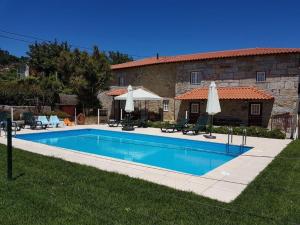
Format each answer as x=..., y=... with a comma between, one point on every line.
x=251, y=131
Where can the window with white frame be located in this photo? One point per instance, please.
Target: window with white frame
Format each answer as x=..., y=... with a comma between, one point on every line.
x=166, y=105
x=195, y=108
x=195, y=77
x=255, y=109
x=260, y=76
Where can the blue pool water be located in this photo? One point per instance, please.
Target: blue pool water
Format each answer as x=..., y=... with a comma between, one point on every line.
x=187, y=156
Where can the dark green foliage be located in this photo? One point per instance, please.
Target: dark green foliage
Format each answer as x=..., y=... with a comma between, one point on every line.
x=58, y=113
x=90, y=74
x=7, y=59
x=30, y=91
x=59, y=69
x=252, y=131
x=9, y=75
x=43, y=57
x=53, y=191
x=118, y=57
x=157, y=124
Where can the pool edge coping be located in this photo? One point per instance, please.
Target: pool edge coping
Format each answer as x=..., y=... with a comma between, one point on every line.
x=215, y=184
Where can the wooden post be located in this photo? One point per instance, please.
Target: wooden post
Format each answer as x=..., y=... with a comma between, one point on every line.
x=98, y=116
x=75, y=116
x=12, y=113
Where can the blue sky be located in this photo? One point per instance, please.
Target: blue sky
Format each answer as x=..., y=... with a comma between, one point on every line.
x=142, y=28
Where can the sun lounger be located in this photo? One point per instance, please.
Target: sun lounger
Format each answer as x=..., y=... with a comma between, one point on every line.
x=113, y=123
x=29, y=120
x=44, y=121
x=174, y=127
x=201, y=125
x=127, y=124
x=3, y=118
x=54, y=121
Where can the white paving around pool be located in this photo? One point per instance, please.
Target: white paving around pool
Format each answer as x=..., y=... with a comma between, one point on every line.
x=224, y=183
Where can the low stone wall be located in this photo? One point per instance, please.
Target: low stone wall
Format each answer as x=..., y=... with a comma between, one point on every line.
x=18, y=110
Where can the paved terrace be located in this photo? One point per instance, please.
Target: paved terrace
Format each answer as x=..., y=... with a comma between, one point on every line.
x=224, y=183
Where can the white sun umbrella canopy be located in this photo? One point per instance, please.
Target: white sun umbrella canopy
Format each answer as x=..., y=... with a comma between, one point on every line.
x=213, y=103
x=129, y=106
x=140, y=95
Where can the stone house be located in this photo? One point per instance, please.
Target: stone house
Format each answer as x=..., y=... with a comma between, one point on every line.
x=253, y=84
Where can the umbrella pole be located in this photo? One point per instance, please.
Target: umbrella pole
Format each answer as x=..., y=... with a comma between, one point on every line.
x=211, y=123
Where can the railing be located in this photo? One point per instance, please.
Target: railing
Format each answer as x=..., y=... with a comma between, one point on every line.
x=229, y=138
x=102, y=115
x=244, y=138
x=285, y=122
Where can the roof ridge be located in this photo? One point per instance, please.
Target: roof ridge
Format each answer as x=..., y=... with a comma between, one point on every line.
x=206, y=56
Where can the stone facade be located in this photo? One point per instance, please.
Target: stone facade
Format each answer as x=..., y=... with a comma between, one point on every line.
x=159, y=79
x=170, y=80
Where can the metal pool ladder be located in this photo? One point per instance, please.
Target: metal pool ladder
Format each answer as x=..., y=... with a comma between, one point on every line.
x=229, y=138
x=244, y=139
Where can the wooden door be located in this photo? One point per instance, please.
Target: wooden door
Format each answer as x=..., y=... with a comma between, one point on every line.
x=194, y=112
x=255, y=114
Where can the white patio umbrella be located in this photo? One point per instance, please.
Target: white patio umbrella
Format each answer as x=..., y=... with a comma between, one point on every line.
x=129, y=106
x=140, y=95
x=213, y=104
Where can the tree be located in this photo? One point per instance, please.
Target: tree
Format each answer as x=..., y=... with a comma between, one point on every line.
x=43, y=57
x=116, y=57
x=91, y=75
x=6, y=58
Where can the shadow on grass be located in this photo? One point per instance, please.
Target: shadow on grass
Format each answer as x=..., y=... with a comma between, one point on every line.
x=18, y=176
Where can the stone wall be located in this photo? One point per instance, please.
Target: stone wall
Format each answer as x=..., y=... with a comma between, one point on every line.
x=106, y=102
x=282, y=79
x=18, y=110
x=159, y=79
x=170, y=80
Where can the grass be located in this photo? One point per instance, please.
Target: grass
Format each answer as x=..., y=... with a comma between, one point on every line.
x=52, y=191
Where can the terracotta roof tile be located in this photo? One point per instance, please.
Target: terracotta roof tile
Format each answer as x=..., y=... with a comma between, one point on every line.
x=206, y=56
x=117, y=92
x=227, y=93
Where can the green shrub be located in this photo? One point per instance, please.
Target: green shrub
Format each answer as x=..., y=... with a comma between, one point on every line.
x=156, y=124
x=59, y=114
x=276, y=133
x=252, y=131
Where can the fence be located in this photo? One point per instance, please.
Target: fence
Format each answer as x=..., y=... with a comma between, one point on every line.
x=18, y=110
x=286, y=122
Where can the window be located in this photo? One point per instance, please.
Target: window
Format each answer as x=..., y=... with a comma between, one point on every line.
x=195, y=108
x=255, y=109
x=121, y=80
x=260, y=76
x=166, y=105
x=195, y=78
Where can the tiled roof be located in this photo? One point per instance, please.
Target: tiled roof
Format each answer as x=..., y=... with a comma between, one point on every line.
x=117, y=92
x=206, y=56
x=227, y=93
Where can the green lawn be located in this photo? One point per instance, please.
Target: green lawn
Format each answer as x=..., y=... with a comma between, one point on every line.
x=51, y=191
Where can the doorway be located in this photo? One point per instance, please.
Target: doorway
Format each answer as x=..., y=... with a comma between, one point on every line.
x=194, y=112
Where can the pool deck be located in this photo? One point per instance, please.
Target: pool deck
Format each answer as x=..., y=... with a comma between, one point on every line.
x=224, y=183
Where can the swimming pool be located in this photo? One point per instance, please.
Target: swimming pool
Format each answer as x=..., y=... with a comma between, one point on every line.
x=182, y=155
